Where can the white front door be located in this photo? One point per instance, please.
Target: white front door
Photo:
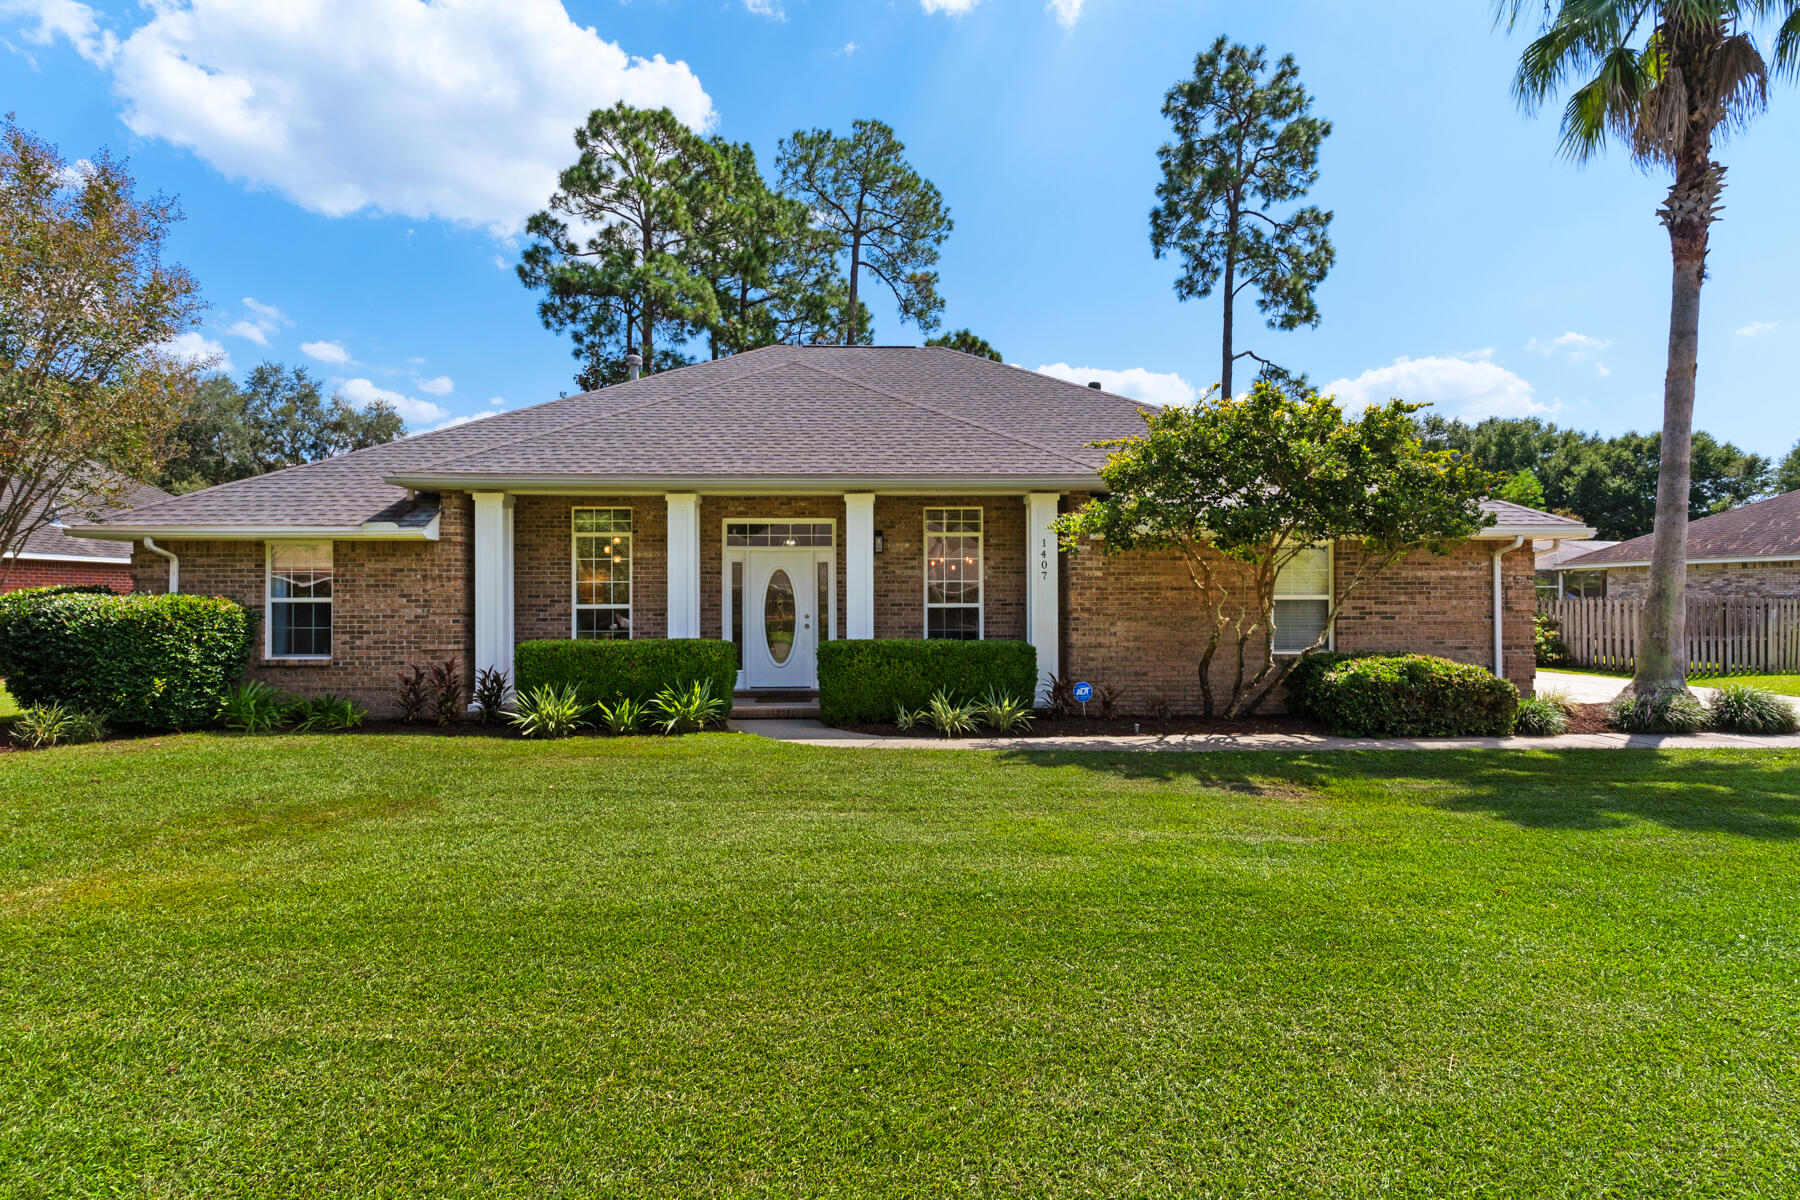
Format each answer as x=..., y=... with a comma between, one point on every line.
x=780, y=620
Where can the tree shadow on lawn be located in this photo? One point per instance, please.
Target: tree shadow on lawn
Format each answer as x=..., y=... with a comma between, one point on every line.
x=1751, y=794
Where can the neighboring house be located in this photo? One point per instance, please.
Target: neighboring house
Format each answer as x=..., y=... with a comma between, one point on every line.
x=1749, y=552
x=1555, y=580
x=50, y=557
x=776, y=498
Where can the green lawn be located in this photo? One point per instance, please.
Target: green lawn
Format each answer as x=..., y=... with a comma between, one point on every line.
x=8, y=706
x=1787, y=685
x=720, y=966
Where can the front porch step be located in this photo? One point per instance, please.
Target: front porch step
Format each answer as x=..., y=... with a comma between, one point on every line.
x=775, y=706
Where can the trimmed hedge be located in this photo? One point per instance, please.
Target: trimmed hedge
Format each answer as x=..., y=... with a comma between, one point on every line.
x=159, y=662
x=1413, y=695
x=1303, y=681
x=862, y=682
x=606, y=672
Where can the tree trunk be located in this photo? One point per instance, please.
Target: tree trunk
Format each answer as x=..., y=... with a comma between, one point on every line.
x=855, y=270
x=1225, y=340
x=1662, y=656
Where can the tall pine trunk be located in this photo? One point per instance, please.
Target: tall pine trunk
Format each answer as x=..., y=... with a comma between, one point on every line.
x=1227, y=344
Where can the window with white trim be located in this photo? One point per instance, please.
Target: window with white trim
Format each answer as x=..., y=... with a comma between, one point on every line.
x=602, y=572
x=1302, y=600
x=953, y=573
x=299, y=600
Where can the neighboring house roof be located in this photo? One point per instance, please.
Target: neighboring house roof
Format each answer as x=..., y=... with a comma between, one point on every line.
x=1553, y=555
x=1767, y=529
x=53, y=543
x=793, y=417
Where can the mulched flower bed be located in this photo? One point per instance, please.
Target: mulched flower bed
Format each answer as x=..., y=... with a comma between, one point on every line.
x=1591, y=718
x=1076, y=726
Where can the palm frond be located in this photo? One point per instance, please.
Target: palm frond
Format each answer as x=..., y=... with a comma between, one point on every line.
x=1608, y=103
x=1787, y=41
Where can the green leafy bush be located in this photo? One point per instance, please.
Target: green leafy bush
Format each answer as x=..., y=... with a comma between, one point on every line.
x=491, y=687
x=253, y=707
x=1303, y=680
x=160, y=662
x=1679, y=713
x=1547, y=643
x=549, y=712
x=603, y=672
x=861, y=682
x=42, y=725
x=1413, y=695
x=687, y=710
x=1746, y=708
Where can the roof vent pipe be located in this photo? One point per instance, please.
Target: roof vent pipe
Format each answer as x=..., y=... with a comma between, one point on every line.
x=634, y=364
x=1095, y=385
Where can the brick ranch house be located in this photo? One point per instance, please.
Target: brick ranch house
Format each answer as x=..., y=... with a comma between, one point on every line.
x=50, y=557
x=776, y=498
x=1749, y=553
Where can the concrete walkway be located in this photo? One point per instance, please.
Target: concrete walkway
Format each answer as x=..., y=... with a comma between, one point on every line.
x=1592, y=689
x=811, y=733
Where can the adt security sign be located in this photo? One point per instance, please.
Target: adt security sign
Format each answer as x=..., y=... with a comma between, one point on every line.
x=1083, y=693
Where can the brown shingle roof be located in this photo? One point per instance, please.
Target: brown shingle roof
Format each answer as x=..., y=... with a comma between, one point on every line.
x=50, y=540
x=1766, y=529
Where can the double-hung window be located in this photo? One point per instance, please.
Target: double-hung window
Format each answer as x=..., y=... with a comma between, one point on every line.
x=602, y=572
x=1302, y=600
x=953, y=573
x=299, y=616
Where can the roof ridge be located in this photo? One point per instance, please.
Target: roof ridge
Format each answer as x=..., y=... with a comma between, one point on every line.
x=970, y=421
x=588, y=420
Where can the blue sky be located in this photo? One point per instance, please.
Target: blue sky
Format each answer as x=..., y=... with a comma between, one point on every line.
x=354, y=173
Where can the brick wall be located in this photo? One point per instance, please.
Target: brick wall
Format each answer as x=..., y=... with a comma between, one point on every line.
x=1717, y=581
x=394, y=604
x=544, y=564
x=38, y=572
x=1134, y=621
x=900, y=567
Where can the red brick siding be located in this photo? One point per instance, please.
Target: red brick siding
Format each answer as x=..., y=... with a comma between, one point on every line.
x=900, y=567
x=394, y=604
x=544, y=564
x=1716, y=581
x=38, y=572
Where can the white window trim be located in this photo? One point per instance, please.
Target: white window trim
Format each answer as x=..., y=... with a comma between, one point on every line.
x=980, y=605
x=575, y=604
x=269, y=601
x=1327, y=596
x=732, y=554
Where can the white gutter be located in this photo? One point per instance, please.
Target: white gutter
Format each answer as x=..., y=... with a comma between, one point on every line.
x=1500, y=608
x=747, y=485
x=100, y=559
x=174, y=564
x=372, y=531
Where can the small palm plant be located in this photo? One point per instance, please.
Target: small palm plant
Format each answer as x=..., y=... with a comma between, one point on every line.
x=950, y=717
x=1003, y=713
x=625, y=715
x=253, y=707
x=549, y=712
x=687, y=710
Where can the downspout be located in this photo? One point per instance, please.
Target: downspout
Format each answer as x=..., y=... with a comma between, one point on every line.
x=174, y=564
x=1500, y=608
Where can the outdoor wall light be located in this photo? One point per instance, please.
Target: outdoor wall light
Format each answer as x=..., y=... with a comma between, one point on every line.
x=879, y=546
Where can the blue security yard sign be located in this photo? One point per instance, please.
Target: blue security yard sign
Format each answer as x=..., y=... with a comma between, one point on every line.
x=1083, y=693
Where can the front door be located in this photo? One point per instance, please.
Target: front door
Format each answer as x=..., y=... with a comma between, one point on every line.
x=780, y=621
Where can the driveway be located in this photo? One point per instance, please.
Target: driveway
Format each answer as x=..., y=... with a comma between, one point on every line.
x=1591, y=689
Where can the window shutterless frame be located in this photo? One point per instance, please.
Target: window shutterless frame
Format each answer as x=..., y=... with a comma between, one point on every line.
x=304, y=607
x=1294, y=588
x=955, y=586
x=600, y=540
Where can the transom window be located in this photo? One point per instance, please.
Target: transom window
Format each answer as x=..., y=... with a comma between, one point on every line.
x=602, y=572
x=299, y=613
x=785, y=533
x=1302, y=600
x=953, y=573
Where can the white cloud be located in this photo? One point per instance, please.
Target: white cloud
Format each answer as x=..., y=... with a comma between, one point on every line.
x=441, y=386
x=360, y=393
x=461, y=110
x=453, y=422
x=1471, y=386
x=326, y=352
x=1575, y=344
x=849, y=49
x=1136, y=382
x=263, y=320
x=1067, y=11
x=955, y=8
x=1756, y=328
x=194, y=346
x=766, y=8
x=497, y=401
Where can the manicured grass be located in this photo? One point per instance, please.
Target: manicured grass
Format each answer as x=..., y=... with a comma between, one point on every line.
x=8, y=706
x=720, y=966
x=1786, y=685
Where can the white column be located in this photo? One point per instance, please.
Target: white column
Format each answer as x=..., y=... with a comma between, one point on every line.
x=859, y=565
x=684, y=564
x=1043, y=623
x=494, y=582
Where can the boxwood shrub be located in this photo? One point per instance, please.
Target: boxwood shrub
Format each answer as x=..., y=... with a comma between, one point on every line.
x=605, y=672
x=864, y=681
x=1413, y=695
x=1303, y=681
x=156, y=662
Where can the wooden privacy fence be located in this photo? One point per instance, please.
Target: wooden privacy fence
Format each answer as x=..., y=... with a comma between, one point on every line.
x=1724, y=637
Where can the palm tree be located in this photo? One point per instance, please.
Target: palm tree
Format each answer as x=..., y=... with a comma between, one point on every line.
x=1667, y=78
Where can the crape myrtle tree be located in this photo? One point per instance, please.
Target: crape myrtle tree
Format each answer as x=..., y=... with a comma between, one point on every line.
x=1240, y=487
x=88, y=394
x=1667, y=78
x=617, y=252
x=884, y=217
x=1246, y=145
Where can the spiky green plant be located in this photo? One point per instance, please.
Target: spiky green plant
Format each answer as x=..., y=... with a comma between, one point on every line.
x=253, y=707
x=687, y=710
x=549, y=712
x=1746, y=708
x=1003, y=713
x=950, y=717
x=624, y=715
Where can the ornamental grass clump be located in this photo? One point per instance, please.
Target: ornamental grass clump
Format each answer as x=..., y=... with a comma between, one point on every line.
x=951, y=718
x=687, y=710
x=253, y=707
x=1746, y=708
x=326, y=714
x=40, y=726
x=1539, y=716
x=624, y=715
x=549, y=712
x=1004, y=713
x=1663, y=714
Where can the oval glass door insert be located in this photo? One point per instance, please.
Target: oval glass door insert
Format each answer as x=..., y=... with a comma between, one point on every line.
x=778, y=617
